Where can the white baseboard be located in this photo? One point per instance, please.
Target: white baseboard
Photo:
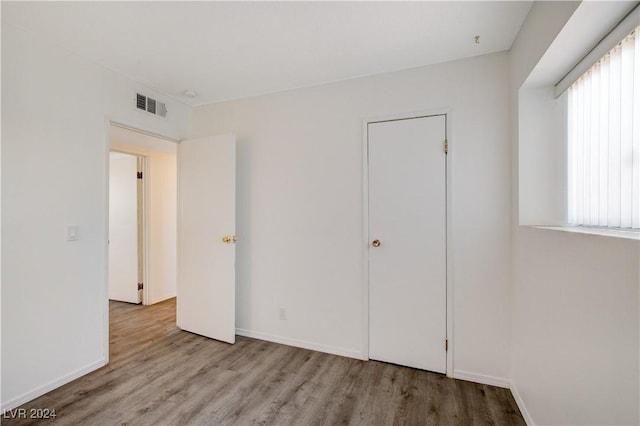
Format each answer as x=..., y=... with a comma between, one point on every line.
x=500, y=382
x=523, y=409
x=39, y=391
x=481, y=378
x=300, y=343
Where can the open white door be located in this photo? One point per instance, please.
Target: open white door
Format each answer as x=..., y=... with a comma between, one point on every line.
x=123, y=228
x=206, y=286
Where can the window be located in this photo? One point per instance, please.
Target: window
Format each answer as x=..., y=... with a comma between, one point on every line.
x=604, y=140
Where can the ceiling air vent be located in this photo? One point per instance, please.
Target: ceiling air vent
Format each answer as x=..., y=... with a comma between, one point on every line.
x=141, y=101
x=151, y=105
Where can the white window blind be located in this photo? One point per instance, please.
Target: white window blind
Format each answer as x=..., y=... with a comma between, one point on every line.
x=604, y=140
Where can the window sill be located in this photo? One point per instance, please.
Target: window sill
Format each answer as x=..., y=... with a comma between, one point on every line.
x=630, y=234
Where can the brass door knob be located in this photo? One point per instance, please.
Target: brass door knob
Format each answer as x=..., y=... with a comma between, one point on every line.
x=375, y=243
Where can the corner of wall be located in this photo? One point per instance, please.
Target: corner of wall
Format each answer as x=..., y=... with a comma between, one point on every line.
x=521, y=405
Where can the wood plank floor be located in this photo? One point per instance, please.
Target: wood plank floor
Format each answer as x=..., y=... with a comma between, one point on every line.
x=159, y=374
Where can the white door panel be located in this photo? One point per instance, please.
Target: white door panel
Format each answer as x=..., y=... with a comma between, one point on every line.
x=407, y=214
x=123, y=228
x=206, y=214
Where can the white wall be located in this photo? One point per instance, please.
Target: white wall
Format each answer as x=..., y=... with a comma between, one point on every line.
x=575, y=327
x=300, y=207
x=54, y=163
x=575, y=298
x=542, y=157
x=161, y=197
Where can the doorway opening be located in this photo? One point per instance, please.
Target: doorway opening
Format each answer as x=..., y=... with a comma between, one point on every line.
x=142, y=170
x=200, y=226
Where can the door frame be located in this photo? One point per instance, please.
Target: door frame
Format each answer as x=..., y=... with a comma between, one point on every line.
x=108, y=122
x=449, y=222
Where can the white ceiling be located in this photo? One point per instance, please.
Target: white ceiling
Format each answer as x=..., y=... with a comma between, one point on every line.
x=230, y=50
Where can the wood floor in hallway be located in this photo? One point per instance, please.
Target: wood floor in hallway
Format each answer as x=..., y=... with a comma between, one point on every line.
x=159, y=374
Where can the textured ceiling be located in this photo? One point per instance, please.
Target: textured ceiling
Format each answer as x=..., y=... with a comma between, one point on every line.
x=230, y=50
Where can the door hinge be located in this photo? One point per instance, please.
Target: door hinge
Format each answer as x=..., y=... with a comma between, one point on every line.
x=446, y=146
x=139, y=174
x=140, y=286
x=446, y=344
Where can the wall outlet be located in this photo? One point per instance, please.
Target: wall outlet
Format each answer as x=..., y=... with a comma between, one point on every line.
x=282, y=313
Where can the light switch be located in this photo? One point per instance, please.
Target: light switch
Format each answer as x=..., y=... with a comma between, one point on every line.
x=72, y=232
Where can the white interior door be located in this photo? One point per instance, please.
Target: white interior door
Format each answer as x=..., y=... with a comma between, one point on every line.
x=206, y=236
x=407, y=216
x=123, y=228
